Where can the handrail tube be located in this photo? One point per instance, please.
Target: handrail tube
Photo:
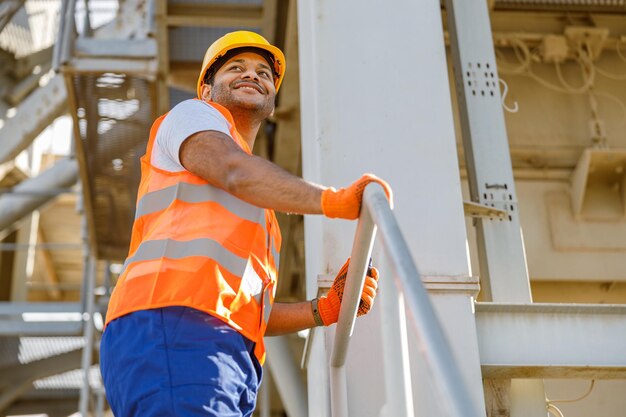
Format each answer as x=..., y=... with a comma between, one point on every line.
x=338, y=391
x=435, y=348
x=355, y=278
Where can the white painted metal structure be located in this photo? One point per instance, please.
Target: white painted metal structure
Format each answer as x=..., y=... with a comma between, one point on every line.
x=364, y=109
x=374, y=100
x=552, y=340
x=504, y=274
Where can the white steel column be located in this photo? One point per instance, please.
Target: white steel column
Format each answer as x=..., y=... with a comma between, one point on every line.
x=504, y=275
x=375, y=98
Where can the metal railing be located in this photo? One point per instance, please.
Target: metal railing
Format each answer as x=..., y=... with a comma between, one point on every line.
x=446, y=375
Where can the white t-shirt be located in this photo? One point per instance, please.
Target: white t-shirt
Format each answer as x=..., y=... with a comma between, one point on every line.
x=185, y=119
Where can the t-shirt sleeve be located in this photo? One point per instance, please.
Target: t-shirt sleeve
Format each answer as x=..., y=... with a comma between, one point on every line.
x=185, y=119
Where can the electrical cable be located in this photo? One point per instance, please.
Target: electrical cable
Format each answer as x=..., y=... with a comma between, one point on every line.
x=587, y=80
x=616, y=99
x=524, y=55
x=524, y=68
x=507, y=68
x=618, y=49
x=550, y=85
x=585, y=395
x=524, y=60
x=515, y=107
x=554, y=410
x=607, y=74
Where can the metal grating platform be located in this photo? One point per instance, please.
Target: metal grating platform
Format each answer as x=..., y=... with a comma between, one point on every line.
x=114, y=114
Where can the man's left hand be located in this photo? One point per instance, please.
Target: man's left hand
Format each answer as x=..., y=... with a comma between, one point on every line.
x=329, y=305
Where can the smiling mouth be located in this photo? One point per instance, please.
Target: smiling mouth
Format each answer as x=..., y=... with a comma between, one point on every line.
x=248, y=86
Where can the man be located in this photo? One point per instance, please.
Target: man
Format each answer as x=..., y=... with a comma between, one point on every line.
x=185, y=325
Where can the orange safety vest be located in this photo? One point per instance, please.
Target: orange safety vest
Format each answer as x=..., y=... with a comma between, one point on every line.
x=198, y=246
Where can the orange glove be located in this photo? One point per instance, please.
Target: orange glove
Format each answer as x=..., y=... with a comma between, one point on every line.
x=328, y=306
x=345, y=203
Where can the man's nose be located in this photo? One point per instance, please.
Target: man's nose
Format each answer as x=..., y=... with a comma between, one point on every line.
x=250, y=73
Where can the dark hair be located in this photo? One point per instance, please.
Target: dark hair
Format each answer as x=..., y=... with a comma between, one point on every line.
x=209, y=75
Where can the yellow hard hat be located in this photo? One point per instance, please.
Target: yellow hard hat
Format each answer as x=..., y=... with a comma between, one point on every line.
x=241, y=39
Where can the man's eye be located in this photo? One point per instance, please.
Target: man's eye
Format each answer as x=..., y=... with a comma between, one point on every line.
x=265, y=74
x=235, y=68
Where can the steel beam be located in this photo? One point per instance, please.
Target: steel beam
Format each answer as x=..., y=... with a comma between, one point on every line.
x=214, y=15
x=552, y=340
x=141, y=67
x=503, y=270
x=116, y=48
x=567, y=6
x=15, y=319
x=7, y=10
x=7, y=308
x=20, y=327
x=504, y=276
x=33, y=115
x=14, y=207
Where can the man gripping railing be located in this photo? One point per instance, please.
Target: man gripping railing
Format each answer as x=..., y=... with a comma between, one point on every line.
x=376, y=214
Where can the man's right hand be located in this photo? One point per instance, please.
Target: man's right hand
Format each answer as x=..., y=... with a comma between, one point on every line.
x=345, y=203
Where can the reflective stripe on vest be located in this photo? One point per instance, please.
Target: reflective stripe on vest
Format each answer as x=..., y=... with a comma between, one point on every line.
x=194, y=193
x=168, y=248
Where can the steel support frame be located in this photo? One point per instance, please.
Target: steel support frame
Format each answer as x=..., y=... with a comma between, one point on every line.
x=7, y=9
x=14, y=207
x=351, y=125
x=504, y=274
x=552, y=340
x=34, y=114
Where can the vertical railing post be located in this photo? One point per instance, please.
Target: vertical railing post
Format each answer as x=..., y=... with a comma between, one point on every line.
x=453, y=391
x=376, y=213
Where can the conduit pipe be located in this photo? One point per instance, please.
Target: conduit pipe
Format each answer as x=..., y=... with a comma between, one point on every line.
x=14, y=207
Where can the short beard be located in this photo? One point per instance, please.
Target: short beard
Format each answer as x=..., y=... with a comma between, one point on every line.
x=223, y=95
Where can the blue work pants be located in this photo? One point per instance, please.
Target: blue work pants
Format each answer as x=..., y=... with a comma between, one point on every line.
x=178, y=361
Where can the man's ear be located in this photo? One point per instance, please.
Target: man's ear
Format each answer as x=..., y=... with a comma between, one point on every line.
x=206, y=92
